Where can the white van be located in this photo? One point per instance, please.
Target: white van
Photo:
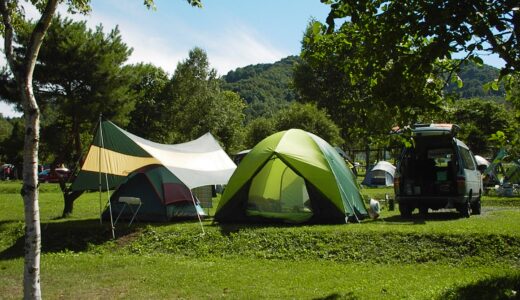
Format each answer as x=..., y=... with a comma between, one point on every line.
x=438, y=171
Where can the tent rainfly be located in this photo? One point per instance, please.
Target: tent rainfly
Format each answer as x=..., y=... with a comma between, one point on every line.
x=115, y=153
x=382, y=174
x=291, y=176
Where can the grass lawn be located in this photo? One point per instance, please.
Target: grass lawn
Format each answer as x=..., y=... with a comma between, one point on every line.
x=438, y=257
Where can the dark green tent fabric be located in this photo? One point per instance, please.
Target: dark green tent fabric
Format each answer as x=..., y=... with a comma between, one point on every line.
x=163, y=196
x=291, y=176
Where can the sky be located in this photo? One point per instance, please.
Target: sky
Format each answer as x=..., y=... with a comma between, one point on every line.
x=234, y=33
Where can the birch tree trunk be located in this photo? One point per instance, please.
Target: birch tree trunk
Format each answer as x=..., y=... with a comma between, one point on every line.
x=24, y=77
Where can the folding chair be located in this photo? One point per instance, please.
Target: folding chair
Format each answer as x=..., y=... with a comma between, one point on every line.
x=129, y=201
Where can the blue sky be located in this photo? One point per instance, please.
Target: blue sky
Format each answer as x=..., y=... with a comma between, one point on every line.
x=234, y=33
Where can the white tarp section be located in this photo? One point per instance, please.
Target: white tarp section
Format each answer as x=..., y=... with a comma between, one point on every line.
x=196, y=163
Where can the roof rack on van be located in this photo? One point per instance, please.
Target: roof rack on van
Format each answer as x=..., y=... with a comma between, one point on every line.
x=453, y=129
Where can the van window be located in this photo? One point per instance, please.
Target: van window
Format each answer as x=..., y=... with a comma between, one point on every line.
x=467, y=160
x=441, y=157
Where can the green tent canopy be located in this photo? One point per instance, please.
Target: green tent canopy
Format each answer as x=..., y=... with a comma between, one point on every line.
x=291, y=176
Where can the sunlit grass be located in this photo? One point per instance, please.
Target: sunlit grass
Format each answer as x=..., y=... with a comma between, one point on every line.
x=441, y=256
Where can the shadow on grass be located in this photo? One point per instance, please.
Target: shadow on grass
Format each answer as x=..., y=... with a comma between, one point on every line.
x=73, y=235
x=228, y=228
x=420, y=219
x=336, y=296
x=500, y=287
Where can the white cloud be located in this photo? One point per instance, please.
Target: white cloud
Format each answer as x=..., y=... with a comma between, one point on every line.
x=240, y=46
x=7, y=110
x=235, y=47
x=229, y=44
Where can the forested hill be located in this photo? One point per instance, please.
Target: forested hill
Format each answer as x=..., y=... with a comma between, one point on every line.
x=473, y=77
x=267, y=87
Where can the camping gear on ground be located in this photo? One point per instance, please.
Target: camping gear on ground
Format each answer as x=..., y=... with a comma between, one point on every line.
x=374, y=209
x=382, y=174
x=163, y=197
x=291, y=176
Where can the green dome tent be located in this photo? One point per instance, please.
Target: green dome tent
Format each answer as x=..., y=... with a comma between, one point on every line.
x=291, y=176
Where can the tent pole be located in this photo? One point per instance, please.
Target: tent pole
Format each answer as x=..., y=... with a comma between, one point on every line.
x=99, y=173
x=195, y=206
x=106, y=179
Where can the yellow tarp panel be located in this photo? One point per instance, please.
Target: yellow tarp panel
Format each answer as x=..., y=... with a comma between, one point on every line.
x=113, y=162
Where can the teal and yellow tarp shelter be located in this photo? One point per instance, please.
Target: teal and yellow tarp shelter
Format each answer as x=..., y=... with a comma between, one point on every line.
x=291, y=176
x=115, y=153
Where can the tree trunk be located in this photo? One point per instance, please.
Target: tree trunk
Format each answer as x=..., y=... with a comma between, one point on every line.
x=367, y=158
x=24, y=77
x=69, y=197
x=30, y=196
x=69, y=206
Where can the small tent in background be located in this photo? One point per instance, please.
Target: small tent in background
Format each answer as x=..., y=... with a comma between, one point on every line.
x=382, y=174
x=482, y=163
x=291, y=176
x=237, y=157
x=163, y=196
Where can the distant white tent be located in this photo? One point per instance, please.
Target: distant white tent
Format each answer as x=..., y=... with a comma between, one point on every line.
x=382, y=174
x=481, y=161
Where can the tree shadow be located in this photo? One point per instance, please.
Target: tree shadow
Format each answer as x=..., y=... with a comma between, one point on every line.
x=498, y=287
x=73, y=235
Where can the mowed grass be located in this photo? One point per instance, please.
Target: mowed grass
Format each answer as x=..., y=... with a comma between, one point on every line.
x=438, y=257
x=87, y=276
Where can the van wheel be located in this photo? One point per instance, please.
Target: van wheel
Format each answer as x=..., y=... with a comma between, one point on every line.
x=476, y=207
x=405, y=210
x=423, y=211
x=465, y=209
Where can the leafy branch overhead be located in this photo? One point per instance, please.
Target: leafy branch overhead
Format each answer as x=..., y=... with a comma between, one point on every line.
x=473, y=27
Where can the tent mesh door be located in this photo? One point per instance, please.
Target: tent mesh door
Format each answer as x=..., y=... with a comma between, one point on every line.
x=278, y=192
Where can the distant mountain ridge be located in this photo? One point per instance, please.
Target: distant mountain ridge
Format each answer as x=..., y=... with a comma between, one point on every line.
x=265, y=87
x=268, y=87
x=473, y=78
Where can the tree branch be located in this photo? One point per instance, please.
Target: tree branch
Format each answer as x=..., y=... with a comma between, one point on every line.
x=8, y=34
x=36, y=39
